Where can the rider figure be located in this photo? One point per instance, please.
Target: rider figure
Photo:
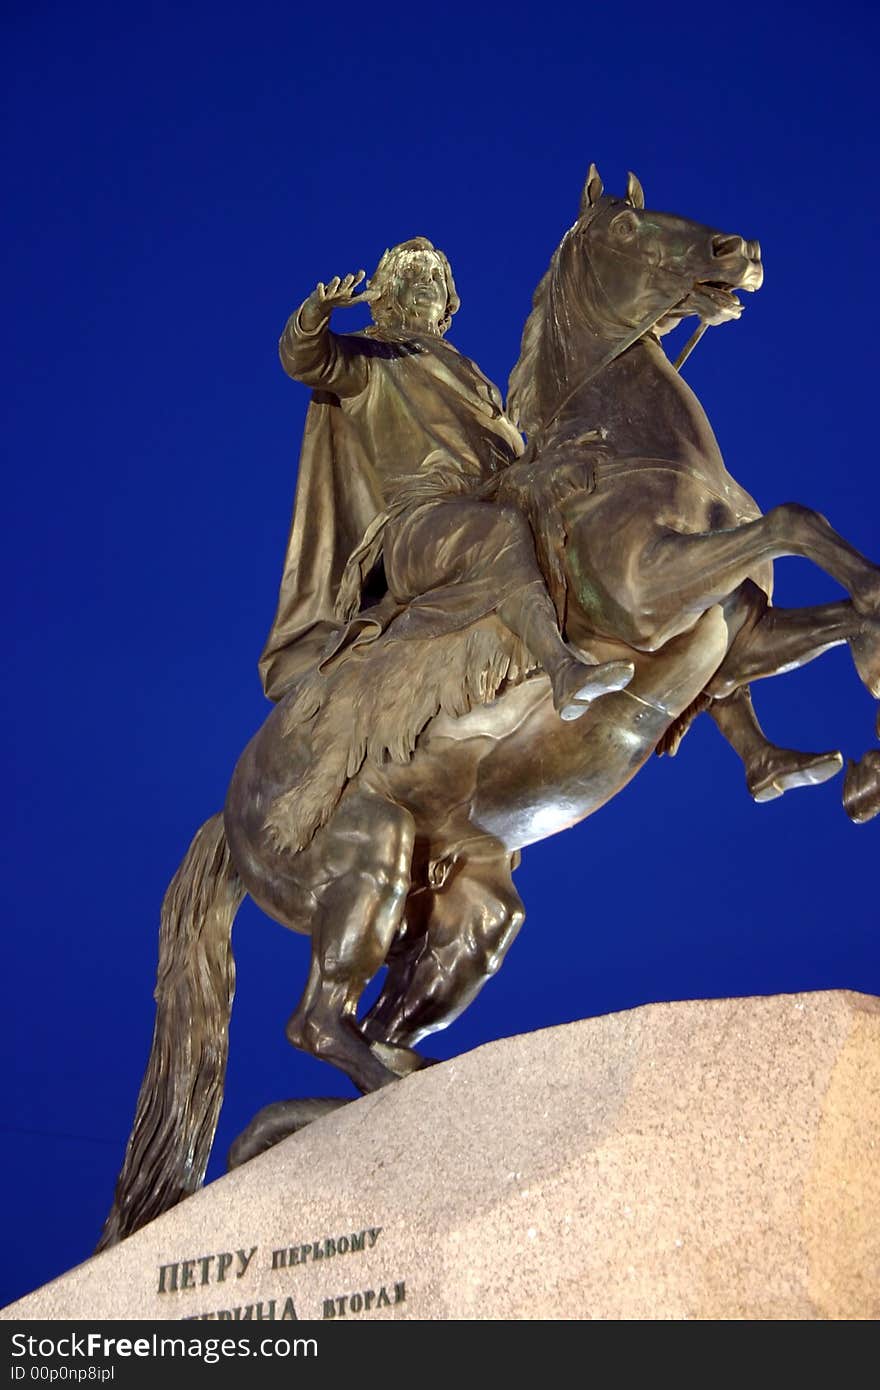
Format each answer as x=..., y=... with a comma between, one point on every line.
x=410, y=430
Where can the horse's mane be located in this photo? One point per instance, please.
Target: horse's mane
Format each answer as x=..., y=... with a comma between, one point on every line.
x=521, y=386
x=541, y=361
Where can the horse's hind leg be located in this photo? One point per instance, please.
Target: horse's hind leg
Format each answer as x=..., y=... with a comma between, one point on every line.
x=360, y=884
x=465, y=932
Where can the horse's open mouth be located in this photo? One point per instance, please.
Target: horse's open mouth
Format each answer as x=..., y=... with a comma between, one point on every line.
x=720, y=294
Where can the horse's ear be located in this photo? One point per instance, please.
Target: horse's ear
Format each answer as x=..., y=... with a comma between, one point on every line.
x=634, y=192
x=592, y=190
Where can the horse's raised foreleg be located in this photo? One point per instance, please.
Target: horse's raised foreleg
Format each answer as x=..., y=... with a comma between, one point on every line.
x=690, y=573
x=770, y=769
x=468, y=926
x=360, y=891
x=782, y=639
x=768, y=642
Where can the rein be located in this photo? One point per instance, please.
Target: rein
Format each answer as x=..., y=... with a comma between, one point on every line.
x=632, y=337
x=690, y=345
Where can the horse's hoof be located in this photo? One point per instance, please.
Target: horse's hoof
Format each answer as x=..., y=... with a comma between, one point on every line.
x=578, y=685
x=403, y=1061
x=861, y=788
x=787, y=769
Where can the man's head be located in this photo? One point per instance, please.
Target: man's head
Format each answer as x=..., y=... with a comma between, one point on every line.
x=414, y=288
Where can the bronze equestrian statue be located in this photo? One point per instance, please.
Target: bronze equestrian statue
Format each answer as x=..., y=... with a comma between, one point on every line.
x=477, y=646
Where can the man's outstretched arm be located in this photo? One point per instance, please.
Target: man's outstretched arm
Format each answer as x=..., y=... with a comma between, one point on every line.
x=310, y=353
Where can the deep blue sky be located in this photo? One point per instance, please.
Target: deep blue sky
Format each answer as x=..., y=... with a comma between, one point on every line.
x=179, y=177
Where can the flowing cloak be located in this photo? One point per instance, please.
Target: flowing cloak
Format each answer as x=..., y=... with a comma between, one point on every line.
x=395, y=422
x=337, y=497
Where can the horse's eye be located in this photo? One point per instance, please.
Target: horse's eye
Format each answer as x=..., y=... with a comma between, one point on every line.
x=624, y=226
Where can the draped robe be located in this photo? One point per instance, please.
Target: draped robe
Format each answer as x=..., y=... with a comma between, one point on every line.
x=401, y=432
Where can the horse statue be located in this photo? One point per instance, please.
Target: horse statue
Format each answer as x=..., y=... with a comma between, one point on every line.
x=382, y=806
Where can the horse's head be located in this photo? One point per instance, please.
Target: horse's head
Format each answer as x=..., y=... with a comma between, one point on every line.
x=640, y=265
x=619, y=272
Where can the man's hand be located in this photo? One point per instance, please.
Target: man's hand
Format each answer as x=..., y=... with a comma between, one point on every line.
x=336, y=294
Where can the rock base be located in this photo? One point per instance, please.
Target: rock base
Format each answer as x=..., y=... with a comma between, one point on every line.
x=716, y=1159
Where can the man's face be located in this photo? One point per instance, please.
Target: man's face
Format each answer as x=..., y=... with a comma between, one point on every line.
x=419, y=287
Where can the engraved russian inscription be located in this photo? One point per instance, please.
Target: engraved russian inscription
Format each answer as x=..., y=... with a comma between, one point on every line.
x=325, y=1249
x=204, y=1269
x=180, y=1275
x=250, y=1312
x=364, y=1301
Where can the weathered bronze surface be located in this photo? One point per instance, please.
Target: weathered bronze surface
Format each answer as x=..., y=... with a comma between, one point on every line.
x=477, y=645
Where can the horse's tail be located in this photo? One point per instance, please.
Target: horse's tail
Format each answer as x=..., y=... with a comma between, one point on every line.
x=180, y=1095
